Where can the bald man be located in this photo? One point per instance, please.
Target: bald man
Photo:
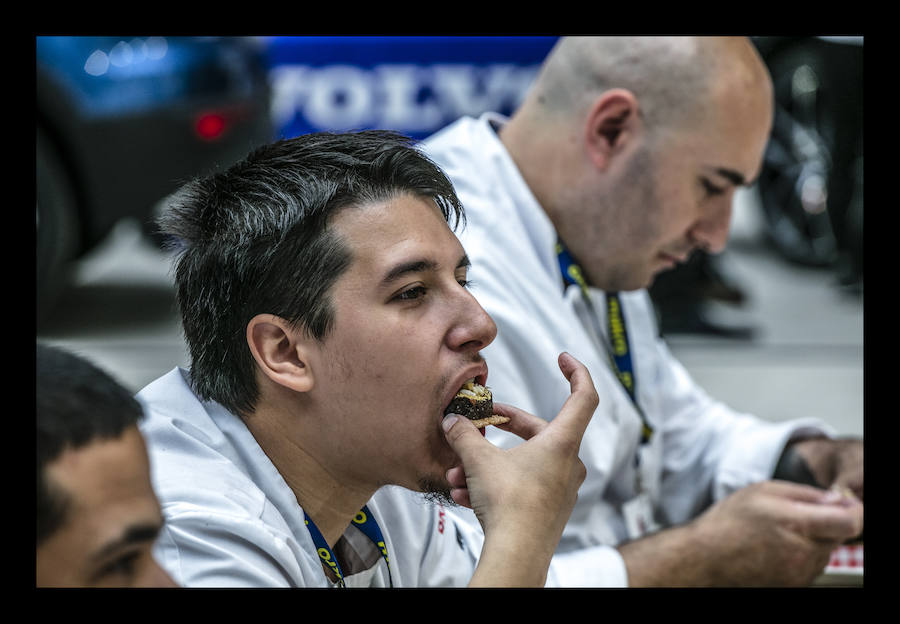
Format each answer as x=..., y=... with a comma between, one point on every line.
x=622, y=160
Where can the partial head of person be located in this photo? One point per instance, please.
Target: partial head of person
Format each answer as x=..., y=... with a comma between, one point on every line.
x=635, y=146
x=320, y=279
x=97, y=514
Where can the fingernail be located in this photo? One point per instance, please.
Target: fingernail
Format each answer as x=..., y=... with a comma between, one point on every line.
x=449, y=421
x=844, y=494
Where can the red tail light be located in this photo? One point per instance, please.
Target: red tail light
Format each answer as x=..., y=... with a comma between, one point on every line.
x=210, y=126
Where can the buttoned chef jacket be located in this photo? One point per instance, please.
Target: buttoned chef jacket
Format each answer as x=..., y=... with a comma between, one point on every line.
x=700, y=451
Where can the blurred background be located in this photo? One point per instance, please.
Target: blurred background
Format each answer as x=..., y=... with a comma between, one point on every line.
x=773, y=326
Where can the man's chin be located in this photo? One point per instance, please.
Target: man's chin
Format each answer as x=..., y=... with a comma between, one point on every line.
x=436, y=491
x=629, y=278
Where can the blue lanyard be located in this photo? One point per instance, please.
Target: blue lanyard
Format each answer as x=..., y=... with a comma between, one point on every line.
x=620, y=351
x=365, y=522
x=618, y=336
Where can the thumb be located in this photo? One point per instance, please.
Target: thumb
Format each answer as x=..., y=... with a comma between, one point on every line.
x=840, y=522
x=463, y=437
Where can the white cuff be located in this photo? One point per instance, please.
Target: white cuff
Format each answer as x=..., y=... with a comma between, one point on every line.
x=596, y=566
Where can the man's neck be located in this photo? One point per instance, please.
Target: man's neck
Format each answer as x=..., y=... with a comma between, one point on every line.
x=526, y=143
x=328, y=499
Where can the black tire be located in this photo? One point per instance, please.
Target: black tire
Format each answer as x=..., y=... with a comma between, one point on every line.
x=57, y=225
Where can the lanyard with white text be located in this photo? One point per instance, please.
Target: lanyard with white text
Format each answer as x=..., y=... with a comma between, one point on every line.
x=365, y=522
x=620, y=352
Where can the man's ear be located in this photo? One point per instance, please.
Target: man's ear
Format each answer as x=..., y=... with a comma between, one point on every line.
x=611, y=123
x=280, y=351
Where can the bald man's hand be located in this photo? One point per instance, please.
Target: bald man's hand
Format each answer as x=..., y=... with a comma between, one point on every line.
x=769, y=534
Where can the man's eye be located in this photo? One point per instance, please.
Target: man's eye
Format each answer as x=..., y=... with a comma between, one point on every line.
x=416, y=292
x=465, y=283
x=122, y=566
x=710, y=188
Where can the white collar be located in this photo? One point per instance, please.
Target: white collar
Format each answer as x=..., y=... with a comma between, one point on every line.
x=542, y=235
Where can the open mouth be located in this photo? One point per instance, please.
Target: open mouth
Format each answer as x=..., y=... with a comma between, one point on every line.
x=475, y=402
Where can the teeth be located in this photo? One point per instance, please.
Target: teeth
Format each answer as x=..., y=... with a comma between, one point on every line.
x=473, y=390
x=472, y=385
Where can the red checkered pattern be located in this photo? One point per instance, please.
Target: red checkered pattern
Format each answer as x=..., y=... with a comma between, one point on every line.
x=847, y=558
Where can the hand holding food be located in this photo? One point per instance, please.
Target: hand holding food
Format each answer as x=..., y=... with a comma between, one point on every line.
x=524, y=495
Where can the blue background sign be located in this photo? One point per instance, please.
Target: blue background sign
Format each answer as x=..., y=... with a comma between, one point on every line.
x=415, y=85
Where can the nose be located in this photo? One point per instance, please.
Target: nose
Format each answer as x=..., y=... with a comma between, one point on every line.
x=473, y=328
x=711, y=231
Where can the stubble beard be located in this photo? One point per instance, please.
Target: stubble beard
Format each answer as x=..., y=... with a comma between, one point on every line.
x=634, y=204
x=436, y=491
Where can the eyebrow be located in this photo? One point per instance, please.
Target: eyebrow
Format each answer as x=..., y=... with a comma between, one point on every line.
x=137, y=534
x=735, y=177
x=419, y=266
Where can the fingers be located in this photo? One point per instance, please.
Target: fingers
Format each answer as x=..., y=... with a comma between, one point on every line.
x=477, y=454
x=824, y=514
x=853, y=483
x=464, y=438
x=460, y=496
x=456, y=477
x=459, y=487
x=578, y=409
x=521, y=423
x=832, y=522
x=803, y=493
x=575, y=414
x=794, y=491
x=849, y=471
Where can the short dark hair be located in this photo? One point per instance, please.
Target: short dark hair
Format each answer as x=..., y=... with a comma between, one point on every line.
x=77, y=403
x=254, y=239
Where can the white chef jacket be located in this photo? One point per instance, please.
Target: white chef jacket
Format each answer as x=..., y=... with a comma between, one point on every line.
x=701, y=450
x=232, y=521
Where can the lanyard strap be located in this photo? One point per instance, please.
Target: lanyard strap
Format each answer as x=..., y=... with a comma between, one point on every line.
x=365, y=522
x=618, y=336
x=620, y=352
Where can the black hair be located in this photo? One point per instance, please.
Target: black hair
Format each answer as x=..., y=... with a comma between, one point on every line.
x=77, y=403
x=254, y=239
